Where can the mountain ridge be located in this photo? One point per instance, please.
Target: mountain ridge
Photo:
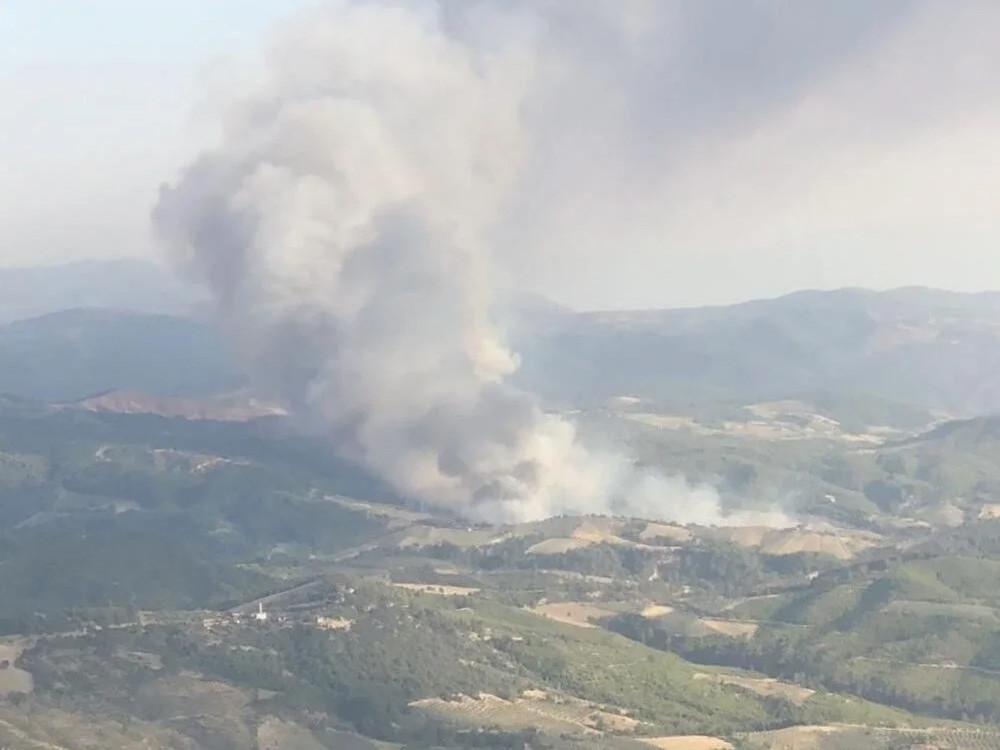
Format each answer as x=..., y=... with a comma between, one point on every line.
x=924, y=347
x=128, y=284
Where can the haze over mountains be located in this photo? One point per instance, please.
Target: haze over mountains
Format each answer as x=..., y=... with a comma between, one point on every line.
x=134, y=285
x=927, y=347
x=72, y=331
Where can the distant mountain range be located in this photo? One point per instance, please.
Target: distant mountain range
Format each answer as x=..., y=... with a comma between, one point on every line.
x=92, y=327
x=135, y=285
x=74, y=354
x=935, y=349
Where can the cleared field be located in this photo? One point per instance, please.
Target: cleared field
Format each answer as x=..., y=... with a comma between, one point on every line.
x=654, y=531
x=751, y=601
x=49, y=728
x=795, y=738
x=334, y=623
x=732, y=628
x=288, y=736
x=579, y=712
x=392, y=512
x=840, y=544
x=598, y=530
x=769, y=421
x=188, y=695
x=534, y=709
x=573, y=613
x=853, y=737
x=435, y=588
x=664, y=421
x=656, y=610
x=15, y=681
x=765, y=686
x=12, y=679
x=558, y=546
x=420, y=535
x=490, y=710
x=573, y=575
x=142, y=658
x=688, y=742
x=747, y=536
x=612, y=722
x=349, y=741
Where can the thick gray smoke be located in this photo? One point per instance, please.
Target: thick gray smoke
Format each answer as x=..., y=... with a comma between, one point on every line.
x=348, y=224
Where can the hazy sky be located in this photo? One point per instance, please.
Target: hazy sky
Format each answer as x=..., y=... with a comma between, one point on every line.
x=97, y=110
x=793, y=144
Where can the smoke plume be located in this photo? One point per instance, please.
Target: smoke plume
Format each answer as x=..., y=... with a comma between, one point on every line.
x=350, y=221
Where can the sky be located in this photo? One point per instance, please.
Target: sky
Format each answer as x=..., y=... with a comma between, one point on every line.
x=100, y=106
x=774, y=145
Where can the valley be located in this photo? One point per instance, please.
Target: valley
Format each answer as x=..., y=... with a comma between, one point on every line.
x=182, y=567
x=224, y=583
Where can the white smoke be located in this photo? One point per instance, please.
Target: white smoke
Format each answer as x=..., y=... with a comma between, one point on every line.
x=347, y=225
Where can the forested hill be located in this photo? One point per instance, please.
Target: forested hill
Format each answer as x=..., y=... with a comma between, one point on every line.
x=135, y=548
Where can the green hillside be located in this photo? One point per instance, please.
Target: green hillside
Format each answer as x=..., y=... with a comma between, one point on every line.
x=135, y=548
